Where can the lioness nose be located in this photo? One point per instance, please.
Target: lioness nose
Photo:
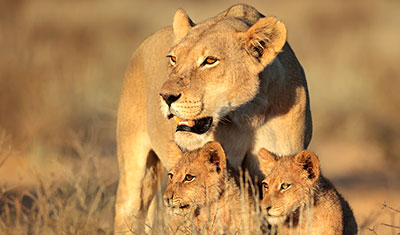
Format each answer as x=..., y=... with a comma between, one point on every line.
x=170, y=98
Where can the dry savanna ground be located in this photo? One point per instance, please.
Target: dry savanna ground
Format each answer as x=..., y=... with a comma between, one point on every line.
x=61, y=69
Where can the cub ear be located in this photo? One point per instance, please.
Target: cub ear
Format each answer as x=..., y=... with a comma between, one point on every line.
x=181, y=25
x=266, y=159
x=265, y=39
x=174, y=154
x=214, y=154
x=309, y=162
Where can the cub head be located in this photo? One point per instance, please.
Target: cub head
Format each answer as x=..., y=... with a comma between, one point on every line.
x=214, y=68
x=196, y=179
x=288, y=184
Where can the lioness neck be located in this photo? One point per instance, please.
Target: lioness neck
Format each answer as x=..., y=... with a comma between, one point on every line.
x=280, y=95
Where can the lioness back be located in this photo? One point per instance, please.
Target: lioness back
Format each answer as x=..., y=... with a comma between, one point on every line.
x=296, y=197
x=203, y=191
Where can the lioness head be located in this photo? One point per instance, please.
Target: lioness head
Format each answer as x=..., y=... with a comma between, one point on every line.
x=288, y=184
x=214, y=68
x=196, y=179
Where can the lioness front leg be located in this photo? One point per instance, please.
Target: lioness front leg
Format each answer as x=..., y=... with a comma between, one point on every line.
x=129, y=213
x=136, y=190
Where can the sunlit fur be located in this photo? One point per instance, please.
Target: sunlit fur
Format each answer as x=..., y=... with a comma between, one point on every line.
x=233, y=80
x=256, y=99
x=212, y=201
x=308, y=203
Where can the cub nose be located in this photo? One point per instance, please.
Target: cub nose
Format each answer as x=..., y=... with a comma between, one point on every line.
x=166, y=201
x=168, y=197
x=170, y=98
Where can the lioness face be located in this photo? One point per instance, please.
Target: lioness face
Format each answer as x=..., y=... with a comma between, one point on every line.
x=288, y=184
x=196, y=178
x=213, y=69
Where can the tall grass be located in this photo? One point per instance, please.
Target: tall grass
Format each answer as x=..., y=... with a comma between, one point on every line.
x=61, y=69
x=79, y=202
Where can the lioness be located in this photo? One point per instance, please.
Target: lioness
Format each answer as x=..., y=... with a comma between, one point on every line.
x=232, y=78
x=203, y=190
x=297, y=198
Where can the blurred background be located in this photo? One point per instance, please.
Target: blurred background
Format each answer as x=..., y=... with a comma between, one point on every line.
x=62, y=64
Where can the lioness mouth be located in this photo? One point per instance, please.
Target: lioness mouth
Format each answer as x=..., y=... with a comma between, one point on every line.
x=198, y=126
x=184, y=206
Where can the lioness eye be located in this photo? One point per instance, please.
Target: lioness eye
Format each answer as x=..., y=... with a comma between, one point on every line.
x=285, y=186
x=170, y=175
x=172, y=59
x=210, y=60
x=189, y=177
x=265, y=185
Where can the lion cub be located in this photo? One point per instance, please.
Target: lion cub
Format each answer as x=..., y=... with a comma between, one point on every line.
x=203, y=191
x=297, y=198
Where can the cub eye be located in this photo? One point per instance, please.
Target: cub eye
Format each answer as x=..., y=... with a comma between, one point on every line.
x=189, y=178
x=170, y=175
x=172, y=59
x=265, y=185
x=209, y=60
x=285, y=186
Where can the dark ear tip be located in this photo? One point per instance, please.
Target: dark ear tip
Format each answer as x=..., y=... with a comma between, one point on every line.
x=214, y=145
x=214, y=152
x=310, y=155
x=309, y=161
x=304, y=154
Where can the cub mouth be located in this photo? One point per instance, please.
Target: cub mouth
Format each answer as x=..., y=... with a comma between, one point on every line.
x=273, y=220
x=179, y=210
x=198, y=126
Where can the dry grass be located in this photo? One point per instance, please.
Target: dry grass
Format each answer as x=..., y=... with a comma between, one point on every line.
x=250, y=221
x=62, y=65
x=74, y=197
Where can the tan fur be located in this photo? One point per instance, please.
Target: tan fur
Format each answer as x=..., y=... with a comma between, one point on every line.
x=309, y=203
x=211, y=203
x=256, y=94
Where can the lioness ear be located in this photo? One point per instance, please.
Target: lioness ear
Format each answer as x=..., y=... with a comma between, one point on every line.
x=265, y=39
x=266, y=159
x=214, y=154
x=174, y=154
x=309, y=162
x=182, y=24
x=242, y=11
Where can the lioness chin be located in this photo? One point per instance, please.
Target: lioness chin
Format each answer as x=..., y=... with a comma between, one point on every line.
x=232, y=78
x=297, y=199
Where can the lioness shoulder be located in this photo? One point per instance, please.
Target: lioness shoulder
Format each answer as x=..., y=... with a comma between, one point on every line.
x=295, y=196
x=203, y=190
